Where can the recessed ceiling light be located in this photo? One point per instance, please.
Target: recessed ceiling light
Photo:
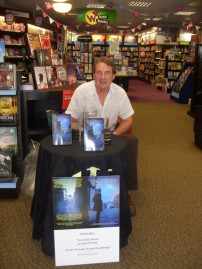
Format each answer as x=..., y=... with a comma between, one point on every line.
x=154, y=19
x=123, y=27
x=95, y=6
x=139, y=4
x=184, y=13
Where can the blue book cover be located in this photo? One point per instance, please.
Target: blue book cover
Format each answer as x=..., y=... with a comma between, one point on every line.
x=2, y=51
x=94, y=134
x=12, y=184
x=86, y=202
x=61, y=129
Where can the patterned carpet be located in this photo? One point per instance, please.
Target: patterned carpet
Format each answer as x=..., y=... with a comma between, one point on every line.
x=167, y=228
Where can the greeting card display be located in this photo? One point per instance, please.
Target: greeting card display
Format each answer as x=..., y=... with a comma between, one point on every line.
x=40, y=77
x=61, y=129
x=94, y=134
x=86, y=219
x=52, y=76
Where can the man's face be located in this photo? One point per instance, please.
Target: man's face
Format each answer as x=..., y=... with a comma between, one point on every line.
x=103, y=76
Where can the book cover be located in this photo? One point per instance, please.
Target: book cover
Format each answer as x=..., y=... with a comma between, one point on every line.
x=33, y=42
x=8, y=109
x=80, y=72
x=5, y=165
x=45, y=42
x=51, y=74
x=66, y=98
x=61, y=129
x=40, y=77
x=55, y=57
x=8, y=141
x=86, y=202
x=71, y=74
x=9, y=184
x=86, y=219
x=62, y=75
x=2, y=51
x=43, y=57
x=8, y=77
x=94, y=134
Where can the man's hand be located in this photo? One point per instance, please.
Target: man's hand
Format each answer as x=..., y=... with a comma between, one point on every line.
x=124, y=126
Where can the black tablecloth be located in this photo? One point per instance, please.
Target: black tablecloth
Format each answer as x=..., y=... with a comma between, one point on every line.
x=65, y=161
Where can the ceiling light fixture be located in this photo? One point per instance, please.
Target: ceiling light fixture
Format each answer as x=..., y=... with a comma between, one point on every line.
x=61, y=6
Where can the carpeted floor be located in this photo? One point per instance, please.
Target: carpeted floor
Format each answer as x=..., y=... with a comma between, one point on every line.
x=139, y=91
x=167, y=228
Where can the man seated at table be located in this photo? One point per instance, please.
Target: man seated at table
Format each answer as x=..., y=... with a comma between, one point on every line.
x=108, y=99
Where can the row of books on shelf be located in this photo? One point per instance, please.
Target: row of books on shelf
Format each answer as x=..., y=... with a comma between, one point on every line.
x=57, y=76
x=13, y=41
x=15, y=27
x=175, y=65
x=15, y=52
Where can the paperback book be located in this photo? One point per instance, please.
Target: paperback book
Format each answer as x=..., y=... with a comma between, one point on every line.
x=2, y=51
x=8, y=109
x=40, y=77
x=8, y=141
x=5, y=165
x=62, y=75
x=10, y=183
x=55, y=57
x=94, y=134
x=51, y=73
x=8, y=77
x=43, y=57
x=45, y=42
x=61, y=129
x=33, y=43
x=71, y=74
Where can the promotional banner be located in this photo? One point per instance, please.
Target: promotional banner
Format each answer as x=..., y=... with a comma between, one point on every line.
x=86, y=217
x=92, y=17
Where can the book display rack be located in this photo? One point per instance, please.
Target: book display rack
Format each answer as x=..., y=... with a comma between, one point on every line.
x=10, y=129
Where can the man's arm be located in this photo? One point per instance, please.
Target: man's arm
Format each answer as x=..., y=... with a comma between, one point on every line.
x=124, y=126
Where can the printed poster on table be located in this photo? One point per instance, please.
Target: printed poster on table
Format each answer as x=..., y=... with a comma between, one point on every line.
x=86, y=218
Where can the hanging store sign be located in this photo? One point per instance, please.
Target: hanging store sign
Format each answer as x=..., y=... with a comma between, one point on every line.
x=92, y=17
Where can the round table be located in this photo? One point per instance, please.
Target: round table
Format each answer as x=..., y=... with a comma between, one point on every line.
x=66, y=161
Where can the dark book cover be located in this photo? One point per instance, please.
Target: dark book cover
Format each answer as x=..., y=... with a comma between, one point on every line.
x=94, y=134
x=43, y=57
x=71, y=74
x=8, y=109
x=61, y=129
x=51, y=74
x=8, y=77
x=5, y=165
x=86, y=202
x=8, y=141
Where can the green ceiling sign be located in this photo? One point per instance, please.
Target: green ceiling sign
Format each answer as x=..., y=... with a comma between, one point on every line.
x=92, y=17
